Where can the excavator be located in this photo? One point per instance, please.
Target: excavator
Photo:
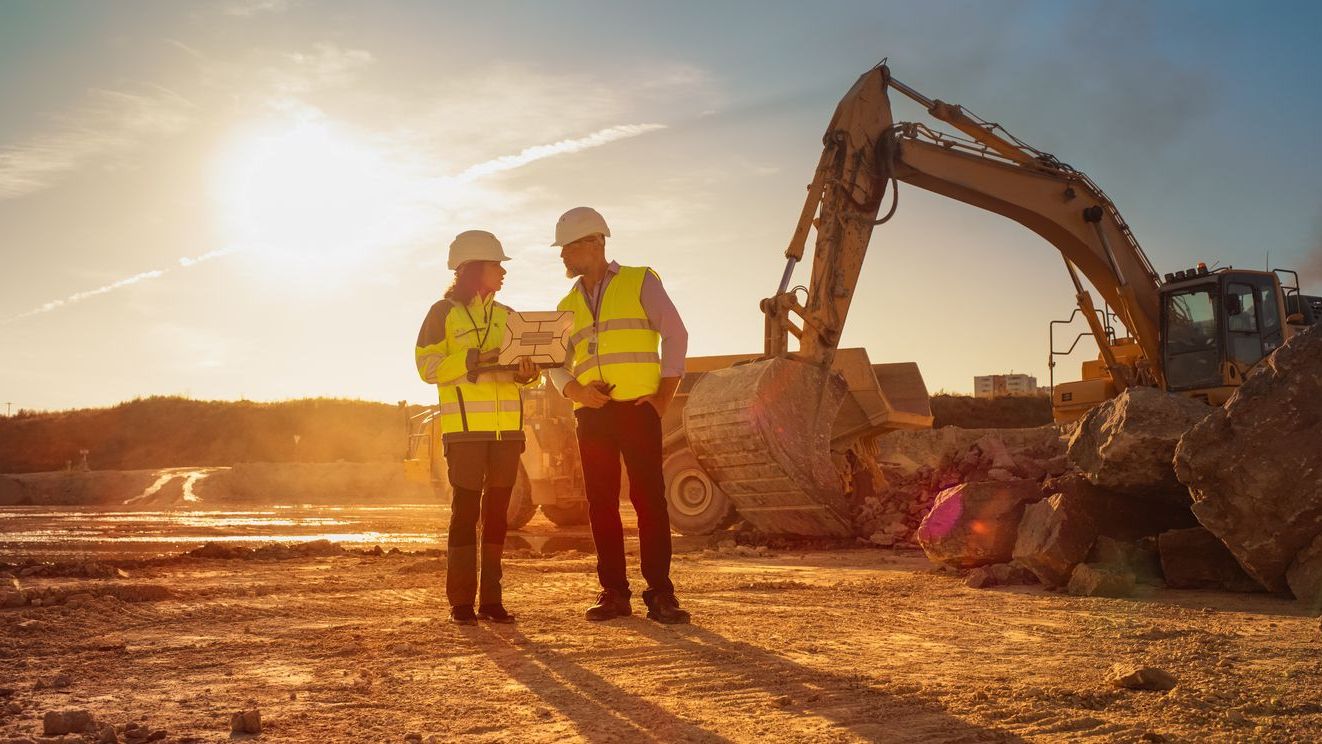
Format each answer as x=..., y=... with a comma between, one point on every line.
x=765, y=430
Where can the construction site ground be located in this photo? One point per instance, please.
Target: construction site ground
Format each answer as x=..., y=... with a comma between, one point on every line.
x=786, y=645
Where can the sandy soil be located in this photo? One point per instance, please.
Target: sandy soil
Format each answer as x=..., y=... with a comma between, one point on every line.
x=818, y=646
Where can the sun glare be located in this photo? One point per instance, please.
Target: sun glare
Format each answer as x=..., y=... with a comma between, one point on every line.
x=309, y=198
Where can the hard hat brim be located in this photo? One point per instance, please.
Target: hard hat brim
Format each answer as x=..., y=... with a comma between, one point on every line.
x=561, y=243
x=471, y=260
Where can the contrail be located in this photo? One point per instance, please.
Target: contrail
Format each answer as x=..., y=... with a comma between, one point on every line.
x=563, y=147
x=127, y=281
x=489, y=167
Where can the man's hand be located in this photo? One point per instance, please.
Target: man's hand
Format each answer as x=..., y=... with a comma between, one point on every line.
x=660, y=400
x=656, y=402
x=527, y=370
x=592, y=395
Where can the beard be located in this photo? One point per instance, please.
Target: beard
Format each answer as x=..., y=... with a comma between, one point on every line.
x=572, y=273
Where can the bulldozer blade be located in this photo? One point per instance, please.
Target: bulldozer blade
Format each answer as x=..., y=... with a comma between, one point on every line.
x=763, y=431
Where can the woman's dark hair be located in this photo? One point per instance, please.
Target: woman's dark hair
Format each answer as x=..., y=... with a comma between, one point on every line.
x=465, y=285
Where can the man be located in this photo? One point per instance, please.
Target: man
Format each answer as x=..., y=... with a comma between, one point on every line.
x=621, y=388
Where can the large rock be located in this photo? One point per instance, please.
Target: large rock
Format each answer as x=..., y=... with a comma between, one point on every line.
x=1194, y=559
x=1305, y=576
x=1054, y=537
x=57, y=722
x=1126, y=443
x=975, y=524
x=1254, y=466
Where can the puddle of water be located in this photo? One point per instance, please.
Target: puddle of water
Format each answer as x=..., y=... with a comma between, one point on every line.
x=86, y=533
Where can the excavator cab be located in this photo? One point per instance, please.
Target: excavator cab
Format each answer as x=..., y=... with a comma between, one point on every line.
x=1216, y=326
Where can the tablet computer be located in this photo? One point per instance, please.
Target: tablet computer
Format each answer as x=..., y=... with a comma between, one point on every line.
x=540, y=336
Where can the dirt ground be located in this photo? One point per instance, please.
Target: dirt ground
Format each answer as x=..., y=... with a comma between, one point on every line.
x=789, y=646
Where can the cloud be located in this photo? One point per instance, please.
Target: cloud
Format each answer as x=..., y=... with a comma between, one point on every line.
x=250, y=8
x=109, y=125
x=480, y=170
x=326, y=66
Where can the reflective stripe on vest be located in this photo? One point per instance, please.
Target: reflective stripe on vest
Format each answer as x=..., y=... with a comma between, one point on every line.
x=490, y=408
x=620, y=346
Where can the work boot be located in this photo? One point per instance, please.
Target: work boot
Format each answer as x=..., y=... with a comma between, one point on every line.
x=463, y=615
x=610, y=604
x=494, y=613
x=664, y=608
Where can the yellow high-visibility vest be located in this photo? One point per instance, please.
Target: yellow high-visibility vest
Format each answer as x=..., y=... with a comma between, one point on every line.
x=614, y=341
x=489, y=407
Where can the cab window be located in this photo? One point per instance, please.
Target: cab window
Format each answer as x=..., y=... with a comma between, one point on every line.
x=1244, y=332
x=1193, y=355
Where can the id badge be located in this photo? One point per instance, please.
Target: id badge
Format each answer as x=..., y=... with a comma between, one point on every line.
x=592, y=347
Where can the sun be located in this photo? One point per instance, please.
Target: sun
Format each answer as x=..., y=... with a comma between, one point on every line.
x=306, y=197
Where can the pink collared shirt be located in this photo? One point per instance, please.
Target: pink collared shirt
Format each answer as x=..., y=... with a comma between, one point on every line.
x=661, y=313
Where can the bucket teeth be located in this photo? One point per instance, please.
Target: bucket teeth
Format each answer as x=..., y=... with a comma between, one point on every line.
x=763, y=431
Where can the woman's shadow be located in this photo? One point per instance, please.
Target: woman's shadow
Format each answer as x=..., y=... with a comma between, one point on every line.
x=602, y=711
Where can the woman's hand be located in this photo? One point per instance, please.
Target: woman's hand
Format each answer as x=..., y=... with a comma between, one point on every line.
x=527, y=370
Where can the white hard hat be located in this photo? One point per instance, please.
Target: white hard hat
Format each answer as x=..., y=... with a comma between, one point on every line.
x=579, y=222
x=475, y=245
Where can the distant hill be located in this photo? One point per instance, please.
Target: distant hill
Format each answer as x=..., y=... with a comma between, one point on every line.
x=161, y=432
x=968, y=412
x=165, y=432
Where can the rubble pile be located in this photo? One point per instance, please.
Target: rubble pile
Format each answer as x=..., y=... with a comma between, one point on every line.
x=917, y=466
x=1151, y=488
x=272, y=551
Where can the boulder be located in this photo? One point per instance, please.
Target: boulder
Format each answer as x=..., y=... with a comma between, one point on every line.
x=1097, y=580
x=1254, y=467
x=1305, y=576
x=58, y=722
x=246, y=722
x=1143, y=678
x=1126, y=443
x=975, y=524
x=1054, y=536
x=1194, y=559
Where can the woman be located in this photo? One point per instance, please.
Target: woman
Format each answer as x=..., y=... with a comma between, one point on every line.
x=481, y=415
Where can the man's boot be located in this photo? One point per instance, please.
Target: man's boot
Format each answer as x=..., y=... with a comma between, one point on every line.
x=664, y=608
x=463, y=615
x=610, y=604
x=494, y=613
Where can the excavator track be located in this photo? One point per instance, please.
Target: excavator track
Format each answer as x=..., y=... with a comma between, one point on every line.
x=763, y=431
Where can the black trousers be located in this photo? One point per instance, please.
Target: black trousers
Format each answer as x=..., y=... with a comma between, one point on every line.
x=634, y=432
x=481, y=477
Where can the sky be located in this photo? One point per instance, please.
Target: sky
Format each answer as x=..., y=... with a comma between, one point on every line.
x=254, y=198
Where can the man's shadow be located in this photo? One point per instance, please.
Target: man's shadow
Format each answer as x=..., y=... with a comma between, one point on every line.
x=602, y=711
x=846, y=700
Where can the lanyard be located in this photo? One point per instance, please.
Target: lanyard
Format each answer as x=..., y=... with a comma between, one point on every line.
x=595, y=309
x=487, y=311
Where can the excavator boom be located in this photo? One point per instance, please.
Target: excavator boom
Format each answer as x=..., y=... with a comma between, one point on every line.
x=738, y=424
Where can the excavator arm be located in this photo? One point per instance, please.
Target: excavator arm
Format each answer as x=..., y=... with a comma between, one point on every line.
x=865, y=151
x=763, y=430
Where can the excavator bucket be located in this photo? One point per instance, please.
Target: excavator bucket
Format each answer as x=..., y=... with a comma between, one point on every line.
x=765, y=432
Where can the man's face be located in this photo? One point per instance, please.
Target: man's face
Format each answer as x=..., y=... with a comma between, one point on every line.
x=580, y=254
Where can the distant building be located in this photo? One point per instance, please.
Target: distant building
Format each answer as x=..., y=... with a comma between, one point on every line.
x=1003, y=386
